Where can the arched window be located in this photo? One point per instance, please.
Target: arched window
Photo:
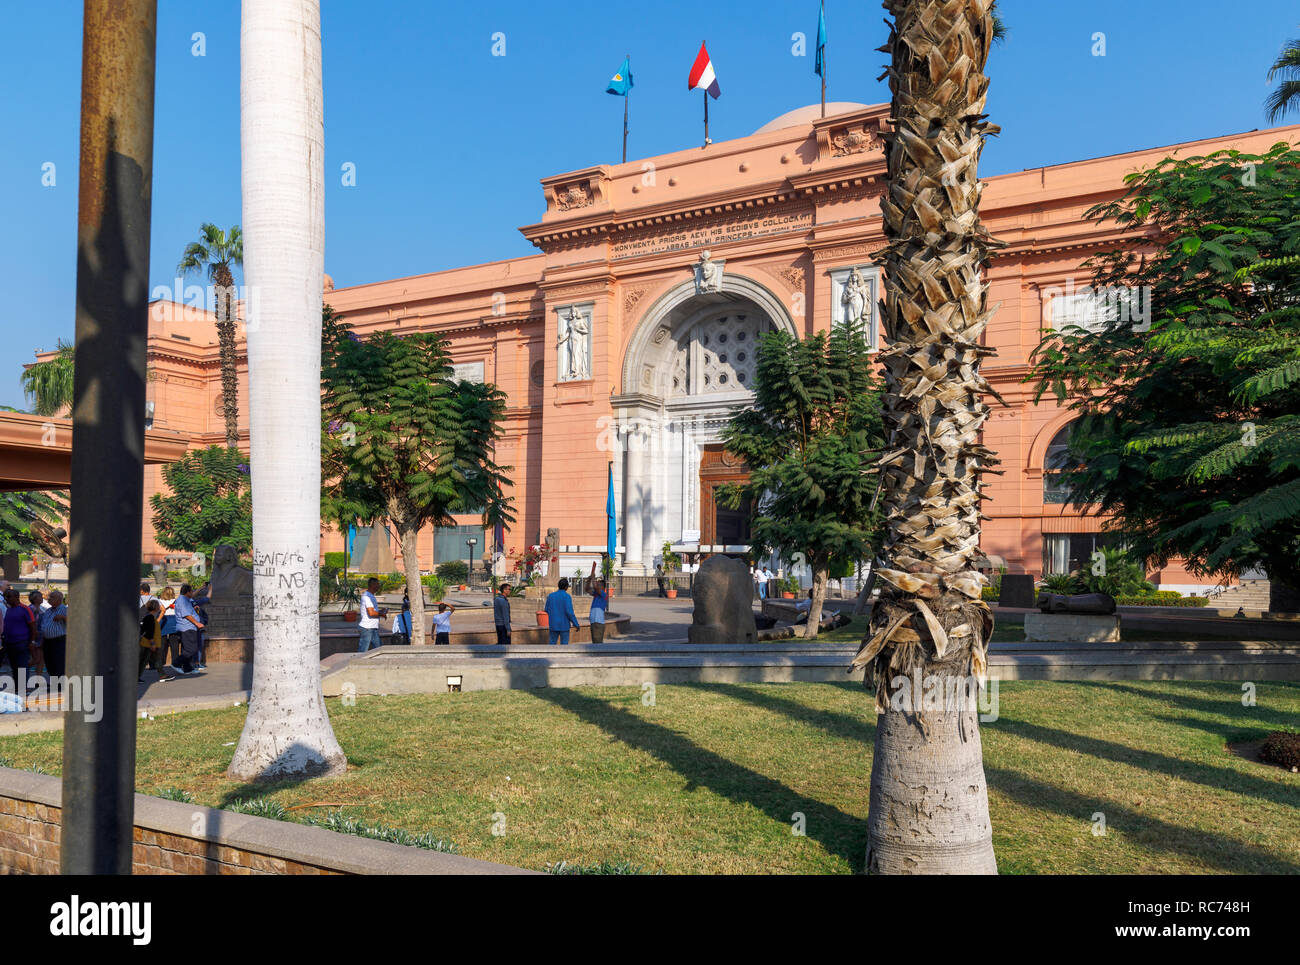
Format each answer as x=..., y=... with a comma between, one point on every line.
x=1057, y=460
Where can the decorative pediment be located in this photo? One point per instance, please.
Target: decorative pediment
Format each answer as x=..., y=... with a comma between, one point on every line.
x=845, y=135
x=577, y=190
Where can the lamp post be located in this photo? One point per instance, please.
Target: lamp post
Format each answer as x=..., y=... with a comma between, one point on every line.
x=471, y=542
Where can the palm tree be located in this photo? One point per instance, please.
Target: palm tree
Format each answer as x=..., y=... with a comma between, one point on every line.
x=929, y=801
x=48, y=384
x=1287, y=95
x=282, y=137
x=215, y=254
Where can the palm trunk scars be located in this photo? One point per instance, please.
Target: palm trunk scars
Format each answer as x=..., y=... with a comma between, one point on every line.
x=929, y=806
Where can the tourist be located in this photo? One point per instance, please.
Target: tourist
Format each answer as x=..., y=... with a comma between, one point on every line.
x=201, y=601
x=171, y=637
x=370, y=614
x=19, y=629
x=150, y=638
x=659, y=578
x=4, y=596
x=560, y=615
x=402, y=622
x=35, y=602
x=54, y=634
x=599, y=604
x=501, y=614
x=187, y=618
x=145, y=597
x=442, y=624
x=764, y=577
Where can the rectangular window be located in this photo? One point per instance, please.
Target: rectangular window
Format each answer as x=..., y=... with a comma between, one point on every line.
x=1072, y=552
x=1086, y=309
x=449, y=543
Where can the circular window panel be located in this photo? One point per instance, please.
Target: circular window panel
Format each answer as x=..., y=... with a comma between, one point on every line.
x=535, y=373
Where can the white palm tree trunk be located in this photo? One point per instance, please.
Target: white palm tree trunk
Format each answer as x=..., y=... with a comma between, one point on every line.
x=282, y=155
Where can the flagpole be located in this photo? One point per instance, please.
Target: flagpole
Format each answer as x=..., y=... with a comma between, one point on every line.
x=823, y=53
x=627, y=96
x=706, y=118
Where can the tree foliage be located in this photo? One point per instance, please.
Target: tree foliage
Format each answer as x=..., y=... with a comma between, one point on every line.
x=1190, y=432
x=1285, y=97
x=401, y=436
x=810, y=440
x=48, y=384
x=210, y=502
x=26, y=519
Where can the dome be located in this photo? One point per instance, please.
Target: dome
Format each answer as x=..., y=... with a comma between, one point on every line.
x=806, y=115
x=328, y=283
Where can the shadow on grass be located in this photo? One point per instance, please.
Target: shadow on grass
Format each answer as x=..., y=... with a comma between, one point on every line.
x=836, y=724
x=1227, y=705
x=839, y=833
x=1194, y=772
x=1143, y=829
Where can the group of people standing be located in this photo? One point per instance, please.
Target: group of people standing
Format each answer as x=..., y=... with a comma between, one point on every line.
x=34, y=634
x=561, y=618
x=173, y=624
x=763, y=576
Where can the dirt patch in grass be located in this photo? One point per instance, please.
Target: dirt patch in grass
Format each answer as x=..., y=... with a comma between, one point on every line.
x=1254, y=751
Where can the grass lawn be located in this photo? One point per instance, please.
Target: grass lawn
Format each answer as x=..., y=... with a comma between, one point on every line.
x=1006, y=631
x=708, y=779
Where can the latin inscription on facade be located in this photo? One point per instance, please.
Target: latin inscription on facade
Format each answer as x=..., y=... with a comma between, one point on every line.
x=697, y=236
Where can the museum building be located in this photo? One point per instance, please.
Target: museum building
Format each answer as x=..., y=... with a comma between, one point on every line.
x=629, y=338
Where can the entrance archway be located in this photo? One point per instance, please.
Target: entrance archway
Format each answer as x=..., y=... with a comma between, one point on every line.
x=689, y=367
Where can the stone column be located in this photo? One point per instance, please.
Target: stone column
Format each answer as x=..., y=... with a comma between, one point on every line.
x=634, y=444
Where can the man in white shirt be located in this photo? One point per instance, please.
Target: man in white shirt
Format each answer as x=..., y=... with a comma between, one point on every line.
x=370, y=614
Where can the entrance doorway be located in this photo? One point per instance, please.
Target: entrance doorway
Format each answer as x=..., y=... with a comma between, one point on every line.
x=720, y=525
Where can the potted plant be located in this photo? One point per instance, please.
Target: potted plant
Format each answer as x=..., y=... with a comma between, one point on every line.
x=542, y=619
x=350, y=597
x=607, y=573
x=671, y=564
x=789, y=587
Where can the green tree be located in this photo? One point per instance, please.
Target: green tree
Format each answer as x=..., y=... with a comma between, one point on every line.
x=810, y=440
x=401, y=433
x=215, y=254
x=48, y=384
x=27, y=520
x=209, y=502
x=1286, y=96
x=1189, y=431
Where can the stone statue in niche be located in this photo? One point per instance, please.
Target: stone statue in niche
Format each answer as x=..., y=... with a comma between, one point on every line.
x=708, y=274
x=854, y=297
x=574, y=346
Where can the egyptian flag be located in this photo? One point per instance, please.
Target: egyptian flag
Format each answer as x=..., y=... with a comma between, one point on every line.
x=702, y=76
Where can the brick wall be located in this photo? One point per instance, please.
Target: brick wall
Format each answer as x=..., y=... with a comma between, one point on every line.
x=172, y=837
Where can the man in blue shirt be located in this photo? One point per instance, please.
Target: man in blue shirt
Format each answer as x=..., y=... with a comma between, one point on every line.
x=501, y=614
x=189, y=624
x=560, y=615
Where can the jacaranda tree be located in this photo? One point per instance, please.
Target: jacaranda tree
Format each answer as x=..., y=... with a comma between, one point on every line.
x=208, y=502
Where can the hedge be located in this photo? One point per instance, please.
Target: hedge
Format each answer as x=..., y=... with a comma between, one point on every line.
x=1176, y=600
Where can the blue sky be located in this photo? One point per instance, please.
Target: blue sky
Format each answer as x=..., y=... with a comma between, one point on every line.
x=449, y=141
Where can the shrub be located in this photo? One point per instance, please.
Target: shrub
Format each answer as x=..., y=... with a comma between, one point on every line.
x=435, y=585
x=1062, y=583
x=261, y=807
x=336, y=560
x=453, y=571
x=601, y=868
x=991, y=593
x=1122, y=576
x=1281, y=747
x=1183, y=601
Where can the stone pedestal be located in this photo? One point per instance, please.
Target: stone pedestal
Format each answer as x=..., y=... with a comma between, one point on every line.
x=1072, y=627
x=1017, y=590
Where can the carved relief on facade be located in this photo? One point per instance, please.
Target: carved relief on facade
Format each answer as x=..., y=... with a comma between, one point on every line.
x=708, y=274
x=631, y=299
x=856, y=138
x=794, y=277
x=573, y=196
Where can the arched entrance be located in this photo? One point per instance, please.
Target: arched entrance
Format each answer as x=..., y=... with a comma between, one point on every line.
x=689, y=366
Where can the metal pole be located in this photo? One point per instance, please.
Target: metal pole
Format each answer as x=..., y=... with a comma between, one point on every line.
x=706, y=118
x=626, y=97
x=107, y=499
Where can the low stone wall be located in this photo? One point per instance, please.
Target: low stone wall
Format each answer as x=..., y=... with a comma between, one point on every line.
x=240, y=649
x=166, y=840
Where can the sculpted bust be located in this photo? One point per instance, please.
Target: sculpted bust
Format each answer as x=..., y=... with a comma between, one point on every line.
x=708, y=274
x=854, y=297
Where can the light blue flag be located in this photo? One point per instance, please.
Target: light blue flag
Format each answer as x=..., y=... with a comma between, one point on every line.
x=611, y=535
x=821, y=41
x=621, y=82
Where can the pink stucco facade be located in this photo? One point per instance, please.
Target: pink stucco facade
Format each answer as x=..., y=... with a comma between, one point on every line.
x=786, y=215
